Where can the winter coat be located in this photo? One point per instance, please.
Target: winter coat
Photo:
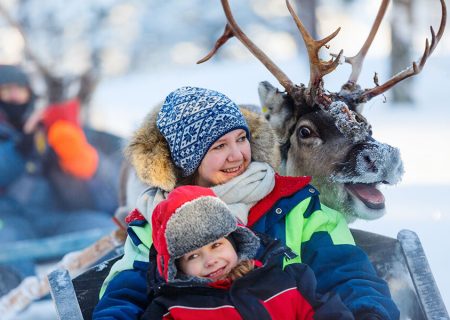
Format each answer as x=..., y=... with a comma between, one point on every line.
x=292, y=213
x=32, y=180
x=268, y=292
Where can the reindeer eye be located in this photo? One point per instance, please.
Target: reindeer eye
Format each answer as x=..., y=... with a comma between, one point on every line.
x=304, y=132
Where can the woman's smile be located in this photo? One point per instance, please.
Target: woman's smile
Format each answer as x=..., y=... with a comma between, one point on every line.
x=233, y=170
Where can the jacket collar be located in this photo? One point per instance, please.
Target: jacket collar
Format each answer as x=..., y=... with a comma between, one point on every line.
x=284, y=187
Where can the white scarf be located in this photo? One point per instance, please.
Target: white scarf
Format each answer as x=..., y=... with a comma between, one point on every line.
x=244, y=191
x=240, y=193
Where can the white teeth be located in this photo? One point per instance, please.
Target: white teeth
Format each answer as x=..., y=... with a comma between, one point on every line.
x=231, y=170
x=213, y=274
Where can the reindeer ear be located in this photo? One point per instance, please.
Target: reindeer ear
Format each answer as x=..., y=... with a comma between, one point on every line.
x=149, y=154
x=278, y=110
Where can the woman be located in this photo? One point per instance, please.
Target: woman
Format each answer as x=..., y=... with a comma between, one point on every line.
x=201, y=137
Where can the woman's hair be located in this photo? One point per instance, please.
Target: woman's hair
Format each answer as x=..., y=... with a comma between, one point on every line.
x=189, y=180
x=241, y=269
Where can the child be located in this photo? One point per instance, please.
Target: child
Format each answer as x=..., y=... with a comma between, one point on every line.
x=204, y=267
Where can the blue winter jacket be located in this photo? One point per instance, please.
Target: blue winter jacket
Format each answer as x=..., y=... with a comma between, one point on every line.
x=291, y=213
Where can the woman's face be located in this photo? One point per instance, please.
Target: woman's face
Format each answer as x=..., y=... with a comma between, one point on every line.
x=227, y=158
x=213, y=261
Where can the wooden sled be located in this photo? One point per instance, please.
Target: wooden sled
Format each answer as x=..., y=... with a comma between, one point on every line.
x=401, y=262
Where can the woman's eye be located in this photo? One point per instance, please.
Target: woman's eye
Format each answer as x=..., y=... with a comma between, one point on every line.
x=217, y=147
x=304, y=132
x=242, y=139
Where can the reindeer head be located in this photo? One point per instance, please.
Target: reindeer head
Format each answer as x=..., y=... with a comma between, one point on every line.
x=323, y=133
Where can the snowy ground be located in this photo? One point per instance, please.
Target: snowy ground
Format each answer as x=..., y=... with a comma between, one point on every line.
x=421, y=132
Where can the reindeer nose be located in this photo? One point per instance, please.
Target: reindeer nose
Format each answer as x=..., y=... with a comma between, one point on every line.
x=381, y=160
x=369, y=161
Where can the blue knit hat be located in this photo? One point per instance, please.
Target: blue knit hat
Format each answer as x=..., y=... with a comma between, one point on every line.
x=192, y=119
x=13, y=74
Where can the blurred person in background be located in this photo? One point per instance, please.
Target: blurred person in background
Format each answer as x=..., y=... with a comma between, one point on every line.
x=52, y=180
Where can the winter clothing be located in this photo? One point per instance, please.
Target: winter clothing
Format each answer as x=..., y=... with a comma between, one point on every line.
x=192, y=119
x=268, y=292
x=44, y=182
x=75, y=155
x=10, y=74
x=67, y=110
x=290, y=212
x=245, y=190
x=190, y=218
x=14, y=113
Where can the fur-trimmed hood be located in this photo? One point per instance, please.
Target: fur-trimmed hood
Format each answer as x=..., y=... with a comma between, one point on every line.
x=149, y=152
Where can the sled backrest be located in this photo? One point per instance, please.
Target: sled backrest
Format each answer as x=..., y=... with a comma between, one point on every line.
x=401, y=262
x=404, y=266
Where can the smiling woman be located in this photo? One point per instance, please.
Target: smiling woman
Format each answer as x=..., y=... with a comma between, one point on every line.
x=201, y=137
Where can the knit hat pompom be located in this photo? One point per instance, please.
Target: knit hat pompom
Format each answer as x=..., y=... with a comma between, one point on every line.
x=192, y=119
x=190, y=218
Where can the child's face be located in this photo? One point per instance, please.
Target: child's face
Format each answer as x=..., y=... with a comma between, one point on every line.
x=213, y=261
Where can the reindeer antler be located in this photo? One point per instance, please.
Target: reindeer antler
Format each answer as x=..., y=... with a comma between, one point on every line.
x=416, y=66
x=232, y=29
x=318, y=68
x=357, y=60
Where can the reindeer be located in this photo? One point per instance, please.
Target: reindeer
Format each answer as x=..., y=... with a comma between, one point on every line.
x=324, y=134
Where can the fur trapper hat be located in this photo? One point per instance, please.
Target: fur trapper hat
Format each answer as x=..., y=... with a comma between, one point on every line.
x=149, y=153
x=190, y=218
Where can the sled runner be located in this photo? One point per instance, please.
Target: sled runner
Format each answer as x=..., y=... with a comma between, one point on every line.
x=401, y=262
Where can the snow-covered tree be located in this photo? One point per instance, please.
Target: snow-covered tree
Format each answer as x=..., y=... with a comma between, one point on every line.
x=71, y=43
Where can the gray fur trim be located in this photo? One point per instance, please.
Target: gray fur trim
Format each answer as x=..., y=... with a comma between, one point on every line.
x=197, y=223
x=202, y=221
x=247, y=243
x=148, y=151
